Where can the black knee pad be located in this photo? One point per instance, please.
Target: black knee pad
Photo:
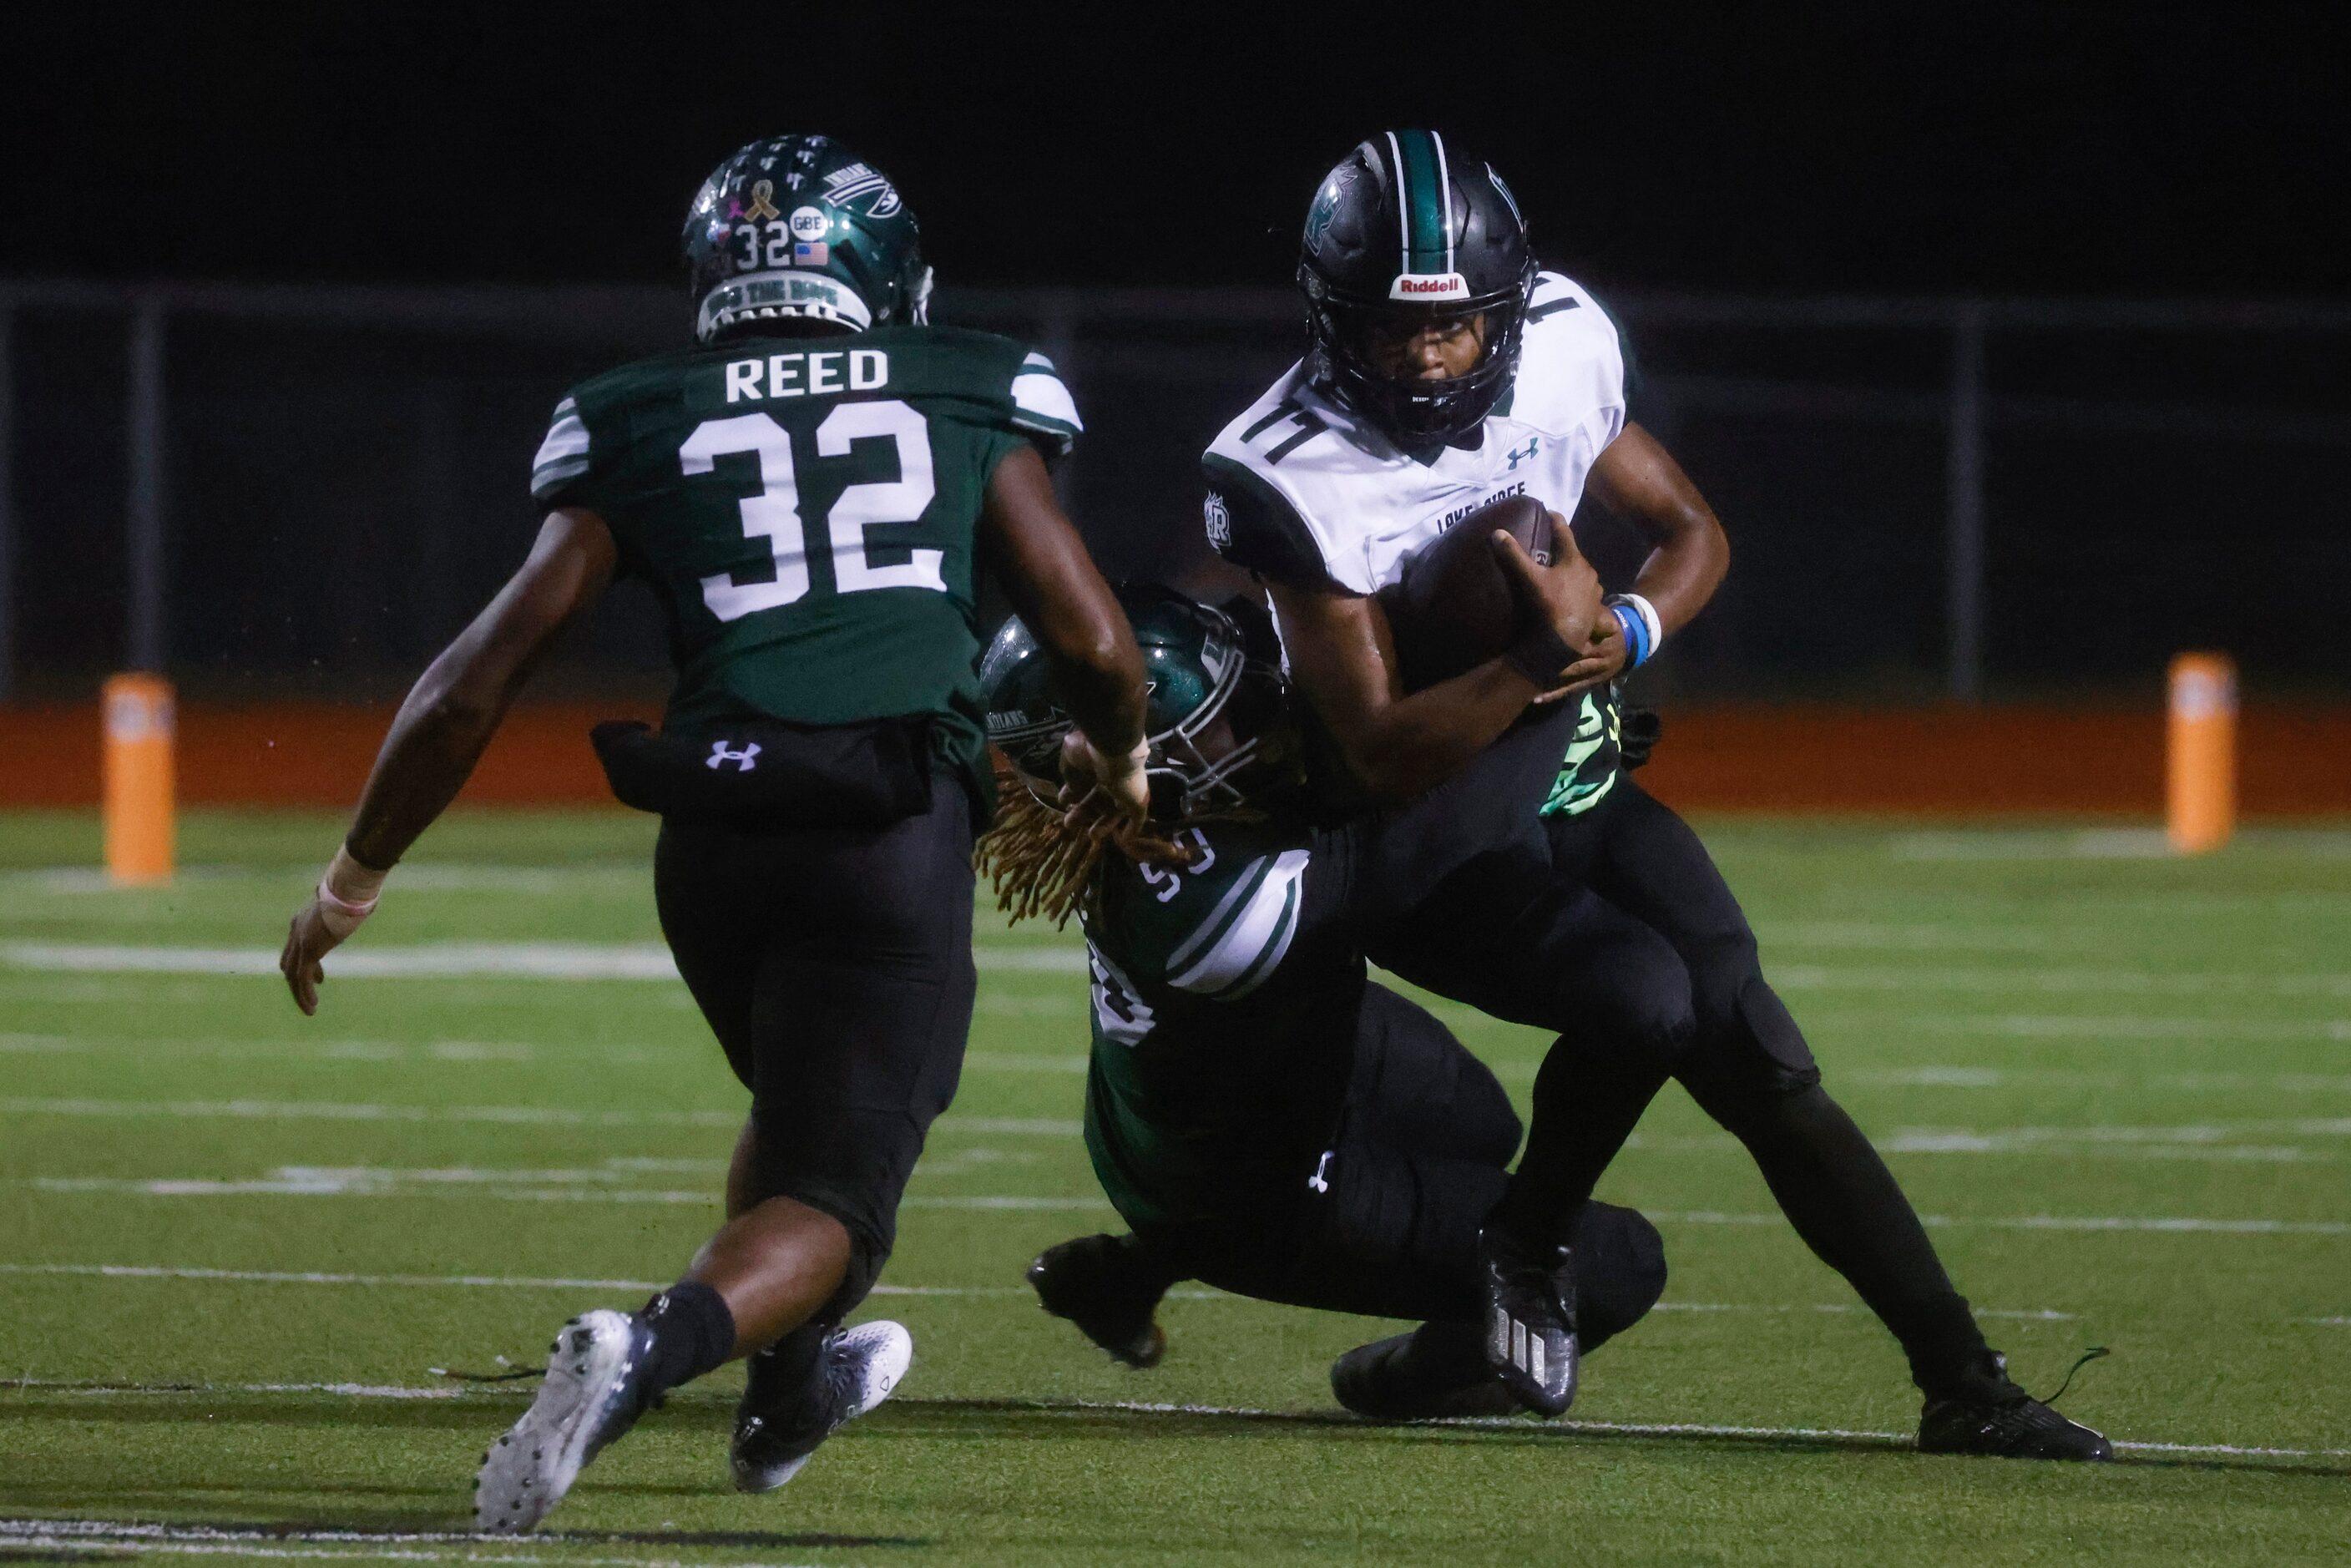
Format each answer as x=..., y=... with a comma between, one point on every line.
x=1755, y=1051
x=1620, y=1270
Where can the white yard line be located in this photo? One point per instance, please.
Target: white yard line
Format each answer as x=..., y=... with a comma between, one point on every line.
x=115, y=1536
x=1957, y=1077
x=2185, y=1224
x=583, y=961
x=312, y=1182
x=446, y=960
x=332, y=1111
x=2064, y=982
x=1244, y=1412
x=2022, y=1026
x=540, y=1282
x=2098, y=843
x=336, y=1111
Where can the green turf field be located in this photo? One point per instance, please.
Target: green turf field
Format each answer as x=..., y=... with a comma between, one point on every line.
x=235, y=1241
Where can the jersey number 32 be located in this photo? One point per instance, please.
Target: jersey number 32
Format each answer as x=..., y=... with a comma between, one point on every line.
x=774, y=514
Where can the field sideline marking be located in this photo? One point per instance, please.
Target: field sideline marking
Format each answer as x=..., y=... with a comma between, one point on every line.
x=102, y=1535
x=316, y=1182
x=530, y=1282
x=448, y=960
x=1242, y=1412
x=468, y=1052
x=650, y=961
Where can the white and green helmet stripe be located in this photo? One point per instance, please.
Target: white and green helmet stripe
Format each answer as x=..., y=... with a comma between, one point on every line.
x=1424, y=215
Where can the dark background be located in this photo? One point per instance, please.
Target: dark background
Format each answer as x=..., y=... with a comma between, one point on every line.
x=341, y=495
x=1988, y=147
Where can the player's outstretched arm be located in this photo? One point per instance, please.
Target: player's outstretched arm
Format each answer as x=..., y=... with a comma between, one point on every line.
x=1636, y=479
x=1058, y=594
x=441, y=731
x=1342, y=657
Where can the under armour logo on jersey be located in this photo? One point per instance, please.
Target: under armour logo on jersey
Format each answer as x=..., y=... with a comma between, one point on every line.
x=720, y=757
x=1321, y=1180
x=1534, y=442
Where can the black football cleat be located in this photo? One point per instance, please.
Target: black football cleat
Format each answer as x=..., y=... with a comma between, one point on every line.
x=593, y=1392
x=1094, y=1281
x=777, y=1431
x=1434, y=1374
x=1530, y=1341
x=1990, y=1416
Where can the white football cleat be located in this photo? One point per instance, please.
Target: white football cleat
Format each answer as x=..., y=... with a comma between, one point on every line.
x=858, y=1369
x=592, y=1395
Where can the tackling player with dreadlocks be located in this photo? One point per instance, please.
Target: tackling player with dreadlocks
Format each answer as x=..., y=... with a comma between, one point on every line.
x=1263, y=1115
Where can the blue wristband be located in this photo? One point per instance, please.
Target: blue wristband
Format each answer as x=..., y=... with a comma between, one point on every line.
x=1636, y=635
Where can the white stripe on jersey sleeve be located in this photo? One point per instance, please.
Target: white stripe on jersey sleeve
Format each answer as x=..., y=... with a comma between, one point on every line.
x=564, y=454
x=1251, y=947
x=1037, y=393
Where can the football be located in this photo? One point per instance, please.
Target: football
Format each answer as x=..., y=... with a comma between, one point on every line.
x=1454, y=607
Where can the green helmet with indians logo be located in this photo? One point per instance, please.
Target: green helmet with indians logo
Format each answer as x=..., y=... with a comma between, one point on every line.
x=800, y=228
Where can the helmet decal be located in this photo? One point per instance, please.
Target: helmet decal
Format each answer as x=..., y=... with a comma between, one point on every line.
x=799, y=227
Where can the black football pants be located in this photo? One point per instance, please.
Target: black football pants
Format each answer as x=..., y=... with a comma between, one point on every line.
x=1386, y=1221
x=834, y=965
x=1735, y=1048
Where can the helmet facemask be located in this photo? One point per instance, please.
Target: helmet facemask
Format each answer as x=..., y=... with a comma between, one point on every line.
x=1412, y=411
x=1187, y=782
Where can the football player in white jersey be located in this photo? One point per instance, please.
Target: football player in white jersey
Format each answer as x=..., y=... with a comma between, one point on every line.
x=1447, y=370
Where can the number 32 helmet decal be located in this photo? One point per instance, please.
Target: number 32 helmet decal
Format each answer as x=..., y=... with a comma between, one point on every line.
x=800, y=227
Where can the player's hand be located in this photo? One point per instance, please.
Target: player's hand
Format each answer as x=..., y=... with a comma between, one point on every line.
x=344, y=897
x=1566, y=595
x=1117, y=785
x=1603, y=664
x=307, y=940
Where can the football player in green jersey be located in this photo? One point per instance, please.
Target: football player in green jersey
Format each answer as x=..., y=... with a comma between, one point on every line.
x=810, y=491
x=1263, y=1115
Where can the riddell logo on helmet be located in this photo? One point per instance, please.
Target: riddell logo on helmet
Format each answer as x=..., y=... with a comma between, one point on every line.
x=1429, y=285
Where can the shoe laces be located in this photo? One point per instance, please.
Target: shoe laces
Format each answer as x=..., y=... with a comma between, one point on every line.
x=2095, y=1353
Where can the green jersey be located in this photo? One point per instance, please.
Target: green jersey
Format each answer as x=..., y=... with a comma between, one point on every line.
x=804, y=509
x=1224, y=999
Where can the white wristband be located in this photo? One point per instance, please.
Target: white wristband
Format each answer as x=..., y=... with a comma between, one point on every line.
x=347, y=894
x=1648, y=615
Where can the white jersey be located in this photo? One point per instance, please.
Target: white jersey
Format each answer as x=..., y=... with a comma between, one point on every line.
x=1304, y=492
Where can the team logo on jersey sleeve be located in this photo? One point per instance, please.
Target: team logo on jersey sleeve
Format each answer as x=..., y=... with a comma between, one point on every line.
x=1216, y=520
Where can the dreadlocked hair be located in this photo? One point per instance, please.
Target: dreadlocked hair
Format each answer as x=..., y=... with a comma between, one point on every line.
x=1040, y=865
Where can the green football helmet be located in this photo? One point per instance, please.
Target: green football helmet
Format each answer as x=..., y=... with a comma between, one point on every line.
x=1200, y=668
x=801, y=227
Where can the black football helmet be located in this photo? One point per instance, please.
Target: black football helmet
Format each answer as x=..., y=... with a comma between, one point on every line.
x=1200, y=665
x=800, y=227
x=1409, y=227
